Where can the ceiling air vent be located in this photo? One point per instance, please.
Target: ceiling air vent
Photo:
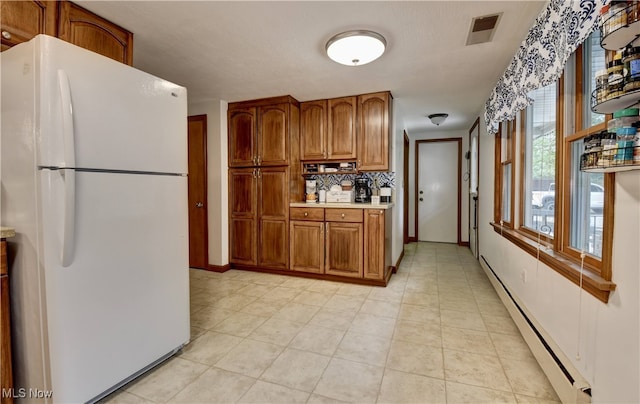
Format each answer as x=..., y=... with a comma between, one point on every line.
x=483, y=28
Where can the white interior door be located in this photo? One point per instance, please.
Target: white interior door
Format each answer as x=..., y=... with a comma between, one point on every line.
x=438, y=191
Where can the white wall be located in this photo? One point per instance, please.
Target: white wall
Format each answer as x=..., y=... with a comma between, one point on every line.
x=217, y=184
x=397, y=165
x=609, y=334
x=464, y=210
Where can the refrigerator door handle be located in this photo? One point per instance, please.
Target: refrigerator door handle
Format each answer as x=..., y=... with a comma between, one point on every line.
x=69, y=218
x=67, y=121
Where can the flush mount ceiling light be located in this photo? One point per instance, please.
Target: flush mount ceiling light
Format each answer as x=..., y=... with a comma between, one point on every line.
x=356, y=48
x=437, y=119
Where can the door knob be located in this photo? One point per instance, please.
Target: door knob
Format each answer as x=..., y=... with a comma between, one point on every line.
x=199, y=204
x=421, y=199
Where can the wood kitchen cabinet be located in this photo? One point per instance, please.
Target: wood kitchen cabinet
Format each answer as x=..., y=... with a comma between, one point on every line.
x=243, y=212
x=328, y=129
x=83, y=28
x=344, y=242
x=373, y=131
x=264, y=139
x=377, y=246
x=313, y=130
x=259, y=219
x=263, y=132
x=354, y=243
x=22, y=20
x=307, y=236
x=341, y=128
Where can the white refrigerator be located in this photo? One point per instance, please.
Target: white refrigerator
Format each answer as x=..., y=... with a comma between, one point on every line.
x=93, y=175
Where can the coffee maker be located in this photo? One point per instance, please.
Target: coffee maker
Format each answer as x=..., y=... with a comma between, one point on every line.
x=363, y=190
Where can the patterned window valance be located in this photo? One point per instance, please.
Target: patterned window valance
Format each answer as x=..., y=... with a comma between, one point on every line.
x=561, y=27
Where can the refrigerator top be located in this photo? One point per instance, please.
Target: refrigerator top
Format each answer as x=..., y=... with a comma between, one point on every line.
x=92, y=112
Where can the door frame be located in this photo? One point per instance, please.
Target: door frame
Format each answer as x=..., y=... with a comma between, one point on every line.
x=475, y=127
x=405, y=192
x=458, y=140
x=203, y=118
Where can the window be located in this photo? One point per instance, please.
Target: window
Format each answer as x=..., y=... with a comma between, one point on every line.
x=539, y=163
x=593, y=62
x=562, y=214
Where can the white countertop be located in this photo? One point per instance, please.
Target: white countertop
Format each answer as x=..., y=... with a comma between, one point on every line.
x=6, y=232
x=341, y=205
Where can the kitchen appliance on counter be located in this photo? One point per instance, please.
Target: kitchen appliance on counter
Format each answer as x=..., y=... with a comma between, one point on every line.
x=311, y=194
x=385, y=194
x=363, y=190
x=94, y=174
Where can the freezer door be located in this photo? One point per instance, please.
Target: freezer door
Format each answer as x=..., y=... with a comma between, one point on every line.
x=122, y=300
x=104, y=114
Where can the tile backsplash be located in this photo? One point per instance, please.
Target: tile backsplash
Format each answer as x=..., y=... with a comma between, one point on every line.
x=325, y=181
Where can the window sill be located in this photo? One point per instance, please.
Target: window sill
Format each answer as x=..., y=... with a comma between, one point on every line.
x=592, y=283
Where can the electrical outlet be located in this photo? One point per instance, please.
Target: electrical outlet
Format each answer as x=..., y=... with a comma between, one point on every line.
x=523, y=276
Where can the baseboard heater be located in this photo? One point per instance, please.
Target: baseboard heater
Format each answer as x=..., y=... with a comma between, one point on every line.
x=568, y=383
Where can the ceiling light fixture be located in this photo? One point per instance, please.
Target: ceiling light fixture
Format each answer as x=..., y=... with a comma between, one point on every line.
x=356, y=48
x=437, y=119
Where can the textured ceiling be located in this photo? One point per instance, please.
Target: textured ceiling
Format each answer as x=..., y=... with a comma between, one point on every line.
x=241, y=50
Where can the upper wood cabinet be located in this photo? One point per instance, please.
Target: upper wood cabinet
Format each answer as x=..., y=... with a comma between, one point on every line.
x=313, y=130
x=243, y=147
x=263, y=132
x=347, y=128
x=22, y=20
x=341, y=135
x=373, y=131
x=90, y=31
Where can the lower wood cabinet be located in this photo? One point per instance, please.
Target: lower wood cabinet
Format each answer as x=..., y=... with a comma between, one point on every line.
x=352, y=243
x=344, y=249
x=307, y=246
x=259, y=219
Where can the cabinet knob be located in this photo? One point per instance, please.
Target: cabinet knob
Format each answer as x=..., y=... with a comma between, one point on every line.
x=6, y=34
x=342, y=215
x=306, y=214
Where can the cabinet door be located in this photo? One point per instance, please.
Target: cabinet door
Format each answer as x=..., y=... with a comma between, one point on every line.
x=22, y=20
x=313, y=130
x=374, y=244
x=373, y=133
x=341, y=140
x=242, y=137
x=243, y=220
x=273, y=213
x=273, y=135
x=307, y=246
x=85, y=29
x=344, y=249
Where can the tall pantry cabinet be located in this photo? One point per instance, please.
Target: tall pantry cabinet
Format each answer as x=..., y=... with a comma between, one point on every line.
x=264, y=177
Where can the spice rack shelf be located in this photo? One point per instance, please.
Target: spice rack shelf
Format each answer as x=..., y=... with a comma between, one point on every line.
x=626, y=100
x=621, y=37
x=597, y=162
x=621, y=29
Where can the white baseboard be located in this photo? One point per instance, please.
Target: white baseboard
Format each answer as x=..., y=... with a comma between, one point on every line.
x=566, y=380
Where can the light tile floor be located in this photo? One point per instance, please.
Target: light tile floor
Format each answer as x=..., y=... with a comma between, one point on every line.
x=438, y=333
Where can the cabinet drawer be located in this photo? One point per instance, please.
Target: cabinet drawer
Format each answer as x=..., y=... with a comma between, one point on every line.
x=343, y=215
x=311, y=214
